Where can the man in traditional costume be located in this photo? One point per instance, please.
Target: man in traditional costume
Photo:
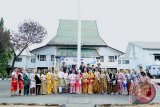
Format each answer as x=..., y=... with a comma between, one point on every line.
x=109, y=82
x=129, y=78
x=103, y=83
x=96, y=81
x=49, y=85
x=14, y=82
x=20, y=82
x=66, y=80
x=32, y=82
x=114, y=83
x=26, y=82
x=54, y=79
x=61, y=81
x=84, y=81
x=43, y=83
x=38, y=82
x=82, y=67
x=79, y=82
x=90, y=81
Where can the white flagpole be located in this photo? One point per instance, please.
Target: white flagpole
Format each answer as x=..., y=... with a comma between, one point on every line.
x=79, y=36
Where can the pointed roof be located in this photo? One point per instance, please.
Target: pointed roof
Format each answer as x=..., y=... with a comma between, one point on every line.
x=68, y=30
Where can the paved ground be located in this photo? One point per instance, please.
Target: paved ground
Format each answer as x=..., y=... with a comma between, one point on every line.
x=73, y=100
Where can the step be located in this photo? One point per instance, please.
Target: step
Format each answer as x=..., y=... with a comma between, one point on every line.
x=79, y=105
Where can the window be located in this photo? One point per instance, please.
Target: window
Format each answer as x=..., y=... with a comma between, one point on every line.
x=42, y=57
x=125, y=61
x=110, y=58
x=119, y=61
x=19, y=60
x=102, y=58
x=33, y=60
x=52, y=57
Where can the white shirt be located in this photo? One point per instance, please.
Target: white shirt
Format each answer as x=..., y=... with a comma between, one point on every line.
x=43, y=77
x=14, y=74
x=66, y=76
x=61, y=74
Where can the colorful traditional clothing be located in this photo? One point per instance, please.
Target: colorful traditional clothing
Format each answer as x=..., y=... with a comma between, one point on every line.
x=90, y=82
x=43, y=84
x=26, y=83
x=14, y=82
x=96, y=82
x=72, y=78
x=54, y=83
x=84, y=82
x=120, y=81
x=78, y=83
x=49, y=87
x=103, y=83
x=20, y=82
x=32, y=83
x=66, y=81
x=61, y=81
x=109, y=83
x=114, y=84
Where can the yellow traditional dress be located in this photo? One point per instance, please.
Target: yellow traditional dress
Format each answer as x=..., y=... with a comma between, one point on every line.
x=103, y=83
x=90, y=82
x=49, y=87
x=84, y=82
x=96, y=82
x=43, y=84
x=54, y=83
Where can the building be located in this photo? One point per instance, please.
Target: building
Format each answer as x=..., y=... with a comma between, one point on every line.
x=63, y=48
x=145, y=54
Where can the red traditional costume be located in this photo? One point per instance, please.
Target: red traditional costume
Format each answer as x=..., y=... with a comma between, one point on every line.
x=14, y=82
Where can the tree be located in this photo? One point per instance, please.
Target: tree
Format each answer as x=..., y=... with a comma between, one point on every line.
x=29, y=32
x=5, y=49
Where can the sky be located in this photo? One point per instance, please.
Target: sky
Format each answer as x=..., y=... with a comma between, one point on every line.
x=119, y=21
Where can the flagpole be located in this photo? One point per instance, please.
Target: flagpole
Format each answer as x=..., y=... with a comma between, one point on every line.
x=79, y=36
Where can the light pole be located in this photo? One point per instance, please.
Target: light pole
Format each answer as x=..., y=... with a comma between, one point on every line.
x=79, y=36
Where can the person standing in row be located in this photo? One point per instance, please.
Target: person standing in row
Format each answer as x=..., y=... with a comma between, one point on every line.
x=26, y=82
x=103, y=83
x=90, y=81
x=114, y=83
x=32, y=83
x=78, y=82
x=54, y=82
x=14, y=82
x=38, y=83
x=43, y=83
x=66, y=80
x=72, y=78
x=120, y=81
x=20, y=81
x=84, y=81
x=96, y=81
x=61, y=81
x=49, y=86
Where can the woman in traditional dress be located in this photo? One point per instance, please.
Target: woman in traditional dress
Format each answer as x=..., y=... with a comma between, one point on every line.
x=72, y=79
x=109, y=82
x=103, y=83
x=32, y=82
x=38, y=82
x=43, y=83
x=49, y=86
x=79, y=82
x=61, y=81
x=114, y=83
x=54, y=78
x=96, y=81
x=66, y=81
x=20, y=82
x=125, y=82
x=84, y=81
x=120, y=81
x=90, y=81
x=14, y=82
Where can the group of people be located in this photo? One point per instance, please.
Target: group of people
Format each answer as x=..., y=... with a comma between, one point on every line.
x=85, y=80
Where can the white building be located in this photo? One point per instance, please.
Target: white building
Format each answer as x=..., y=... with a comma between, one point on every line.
x=63, y=48
x=146, y=54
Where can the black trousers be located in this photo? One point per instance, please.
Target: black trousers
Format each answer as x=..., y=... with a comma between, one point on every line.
x=38, y=88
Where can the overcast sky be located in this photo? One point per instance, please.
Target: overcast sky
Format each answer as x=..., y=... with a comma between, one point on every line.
x=119, y=21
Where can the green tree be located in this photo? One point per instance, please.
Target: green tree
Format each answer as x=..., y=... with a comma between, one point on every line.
x=5, y=49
